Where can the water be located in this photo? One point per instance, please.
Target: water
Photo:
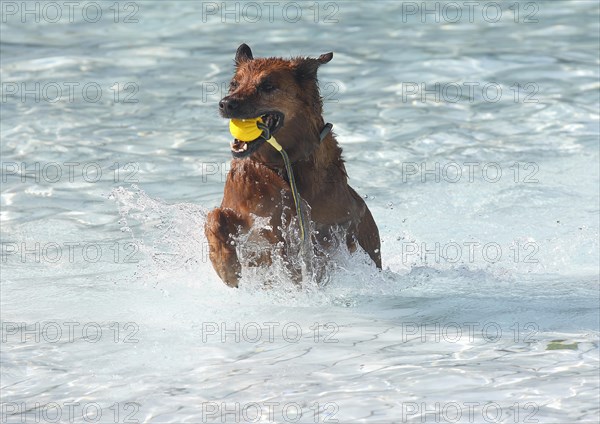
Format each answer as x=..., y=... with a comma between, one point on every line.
x=110, y=305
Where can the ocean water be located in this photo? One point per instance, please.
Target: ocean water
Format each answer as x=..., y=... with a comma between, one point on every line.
x=472, y=131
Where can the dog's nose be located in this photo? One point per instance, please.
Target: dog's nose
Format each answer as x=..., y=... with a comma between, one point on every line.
x=227, y=104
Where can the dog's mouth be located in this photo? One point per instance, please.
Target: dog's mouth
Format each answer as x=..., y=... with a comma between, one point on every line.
x=273, y=121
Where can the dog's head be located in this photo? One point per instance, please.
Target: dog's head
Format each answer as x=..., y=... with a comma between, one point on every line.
x=285, y=93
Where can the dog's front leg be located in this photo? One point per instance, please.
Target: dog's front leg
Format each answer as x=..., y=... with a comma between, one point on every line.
x=368, y=237
x=221, y=227
x=367, y=233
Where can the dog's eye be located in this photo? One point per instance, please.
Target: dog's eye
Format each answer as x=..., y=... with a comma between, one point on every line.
x=233, y=85
x=267, y=86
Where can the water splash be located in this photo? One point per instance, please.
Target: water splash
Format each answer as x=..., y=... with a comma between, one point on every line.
x=172, y=241
x=170, y=236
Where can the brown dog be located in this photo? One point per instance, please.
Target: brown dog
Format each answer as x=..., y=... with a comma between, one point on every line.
x=285, y=94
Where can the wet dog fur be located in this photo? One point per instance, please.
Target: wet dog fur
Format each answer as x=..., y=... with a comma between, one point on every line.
x=286, y=94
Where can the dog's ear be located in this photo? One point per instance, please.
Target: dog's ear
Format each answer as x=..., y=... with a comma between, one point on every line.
x=243, y=54
x=325, y=58
x=307, y=68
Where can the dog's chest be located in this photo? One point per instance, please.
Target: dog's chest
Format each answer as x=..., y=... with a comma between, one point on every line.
x=254, y=188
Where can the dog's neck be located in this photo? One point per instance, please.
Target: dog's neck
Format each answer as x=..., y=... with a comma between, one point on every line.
x=319, y=163
x=323, y=167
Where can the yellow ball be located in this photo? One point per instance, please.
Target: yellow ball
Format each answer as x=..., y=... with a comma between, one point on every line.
x=245, y=129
